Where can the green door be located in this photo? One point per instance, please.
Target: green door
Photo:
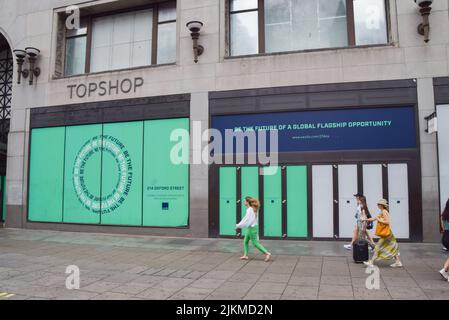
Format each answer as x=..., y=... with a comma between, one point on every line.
x=121, y=187
x=272, y=203
x=297, y=201
x=46, y=175
x=82, y=180
x=249, y=187
x=228, y=201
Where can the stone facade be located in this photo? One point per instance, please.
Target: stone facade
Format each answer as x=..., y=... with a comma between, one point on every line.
x=33, y=23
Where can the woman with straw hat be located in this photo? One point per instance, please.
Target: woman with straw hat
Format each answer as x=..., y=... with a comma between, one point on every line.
x=387, y=247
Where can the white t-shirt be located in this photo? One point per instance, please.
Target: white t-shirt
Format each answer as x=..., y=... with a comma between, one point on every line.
x=250, y=219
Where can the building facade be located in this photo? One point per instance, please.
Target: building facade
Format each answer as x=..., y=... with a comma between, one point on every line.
x=348, y=85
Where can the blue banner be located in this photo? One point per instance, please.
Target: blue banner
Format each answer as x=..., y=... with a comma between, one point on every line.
x=350, y=129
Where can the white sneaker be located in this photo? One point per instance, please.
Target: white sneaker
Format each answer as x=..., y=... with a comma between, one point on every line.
x=444, y=249
x=444, y=274
x=396, y=265
x=348, y=246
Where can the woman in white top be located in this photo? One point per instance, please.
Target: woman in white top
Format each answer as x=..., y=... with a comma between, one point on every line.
x=250, y=221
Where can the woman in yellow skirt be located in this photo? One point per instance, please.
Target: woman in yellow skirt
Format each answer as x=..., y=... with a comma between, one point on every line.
x=387, y=247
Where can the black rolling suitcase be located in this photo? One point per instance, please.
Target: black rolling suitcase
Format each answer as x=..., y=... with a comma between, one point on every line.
x=360, y=247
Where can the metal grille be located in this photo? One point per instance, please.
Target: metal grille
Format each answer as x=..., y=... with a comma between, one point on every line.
x=6, y=78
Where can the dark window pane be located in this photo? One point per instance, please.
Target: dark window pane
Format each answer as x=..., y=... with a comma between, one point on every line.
x=370, y=22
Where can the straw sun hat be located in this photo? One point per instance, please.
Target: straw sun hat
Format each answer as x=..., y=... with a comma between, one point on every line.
x=383, y=202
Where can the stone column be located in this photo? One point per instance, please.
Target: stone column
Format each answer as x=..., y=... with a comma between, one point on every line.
x=16, y=175
x=429, y=163
x=199, y=172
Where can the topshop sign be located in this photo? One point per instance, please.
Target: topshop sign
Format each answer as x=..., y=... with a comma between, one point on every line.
x=105, y=88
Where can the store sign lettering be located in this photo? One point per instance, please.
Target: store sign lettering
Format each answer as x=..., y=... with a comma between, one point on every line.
x=105, y=88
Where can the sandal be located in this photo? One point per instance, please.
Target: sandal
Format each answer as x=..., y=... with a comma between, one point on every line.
x=267, y=257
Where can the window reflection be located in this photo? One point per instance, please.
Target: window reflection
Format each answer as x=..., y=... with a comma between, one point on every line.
x=370, y=22
x=299, y=25
x=291, y=25
x=244, y=33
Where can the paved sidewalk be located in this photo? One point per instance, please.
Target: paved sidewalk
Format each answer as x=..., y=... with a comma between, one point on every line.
x=33, y=265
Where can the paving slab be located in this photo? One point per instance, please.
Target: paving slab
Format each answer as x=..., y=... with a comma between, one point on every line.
x=300, y=292
x=191, y=294
x=407, y=293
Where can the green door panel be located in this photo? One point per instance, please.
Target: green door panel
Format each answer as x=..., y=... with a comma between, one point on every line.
x=166, y=185
x=272, y=206
x=121, y=184
x=249, y=187
x=82, y=181
x=250, y=184
x=297, y=201
x=228, y=201
x=46, y=175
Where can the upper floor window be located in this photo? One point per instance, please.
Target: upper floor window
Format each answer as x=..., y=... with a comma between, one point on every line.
x=268, y=26
x=122, y=40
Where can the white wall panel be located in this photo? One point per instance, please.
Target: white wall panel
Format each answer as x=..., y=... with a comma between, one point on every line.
x=323, y=202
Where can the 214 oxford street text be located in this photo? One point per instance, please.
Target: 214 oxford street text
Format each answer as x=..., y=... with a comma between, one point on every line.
x=226, y=310
x=105, y=88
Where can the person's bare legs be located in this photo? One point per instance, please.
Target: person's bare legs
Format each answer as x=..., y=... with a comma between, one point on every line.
x=445, y=271
x=354, y=238
x=355, y=235
x=370, y=262
x=370, y=239
x=397, y=263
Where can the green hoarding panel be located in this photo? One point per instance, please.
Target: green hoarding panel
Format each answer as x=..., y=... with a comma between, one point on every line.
x=82, y=181
x=121, y=184
x=272, y=204
x=46, y=175
x=228, y=201
x=250, y=187
x=166, y=183
x=297, y=201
